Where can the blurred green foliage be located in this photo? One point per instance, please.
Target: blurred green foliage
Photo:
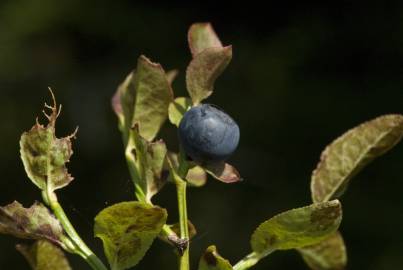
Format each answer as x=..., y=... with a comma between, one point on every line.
x=301, y=75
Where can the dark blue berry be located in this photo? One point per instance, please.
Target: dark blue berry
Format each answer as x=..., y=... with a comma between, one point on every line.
x=208, y=134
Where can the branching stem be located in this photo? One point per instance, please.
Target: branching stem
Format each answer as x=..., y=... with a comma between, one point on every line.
x=181, y=185
x=79, y=247
x=183, y=224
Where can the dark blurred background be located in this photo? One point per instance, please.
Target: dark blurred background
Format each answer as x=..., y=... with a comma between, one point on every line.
x=301, y=75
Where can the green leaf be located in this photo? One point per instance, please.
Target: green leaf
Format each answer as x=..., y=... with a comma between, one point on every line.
x=45, y=156
x=153, y=96
x=35, y=222
x=223, y=172
x=211, y=260
x=177, y=109
x=330, y=254
x=196, y=176
x=202, y=36
x=123, y=102
x=43, y=255
x=127, y=231
x=297, y=228
x=203, y=71
x=145, y=96
x=351, y=152
x=210, y=59
x=150, y=159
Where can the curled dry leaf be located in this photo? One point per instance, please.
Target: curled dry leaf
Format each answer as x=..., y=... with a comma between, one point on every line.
x=35, y=222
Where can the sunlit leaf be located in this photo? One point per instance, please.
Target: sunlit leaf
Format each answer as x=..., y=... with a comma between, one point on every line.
x=329, y=254
x=348, y=154
x=203, y=71
x=211, y=260
x=43, y=255
x=127, y=231
x=223, y=172
x=196, y=176
x=297, y=228
x=202, y=36
x=177, y=109
x=153, y=95
x=149, y=158
x=145, y=95
x=45, y=156
x=35, y=222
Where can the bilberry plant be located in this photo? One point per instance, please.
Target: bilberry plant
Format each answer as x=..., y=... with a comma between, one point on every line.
x=208, y=136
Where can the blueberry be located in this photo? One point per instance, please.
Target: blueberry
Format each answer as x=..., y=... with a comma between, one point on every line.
x=208, y=134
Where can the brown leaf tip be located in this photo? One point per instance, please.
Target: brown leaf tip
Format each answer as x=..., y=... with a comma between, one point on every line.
x=147, y=60
x=73, y=135
x=55, y=110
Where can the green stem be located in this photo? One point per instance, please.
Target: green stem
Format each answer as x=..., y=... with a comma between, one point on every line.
x=182, y=208
x=247, y=262
x=183, y=223
x=136, y=173
x=80, y=247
